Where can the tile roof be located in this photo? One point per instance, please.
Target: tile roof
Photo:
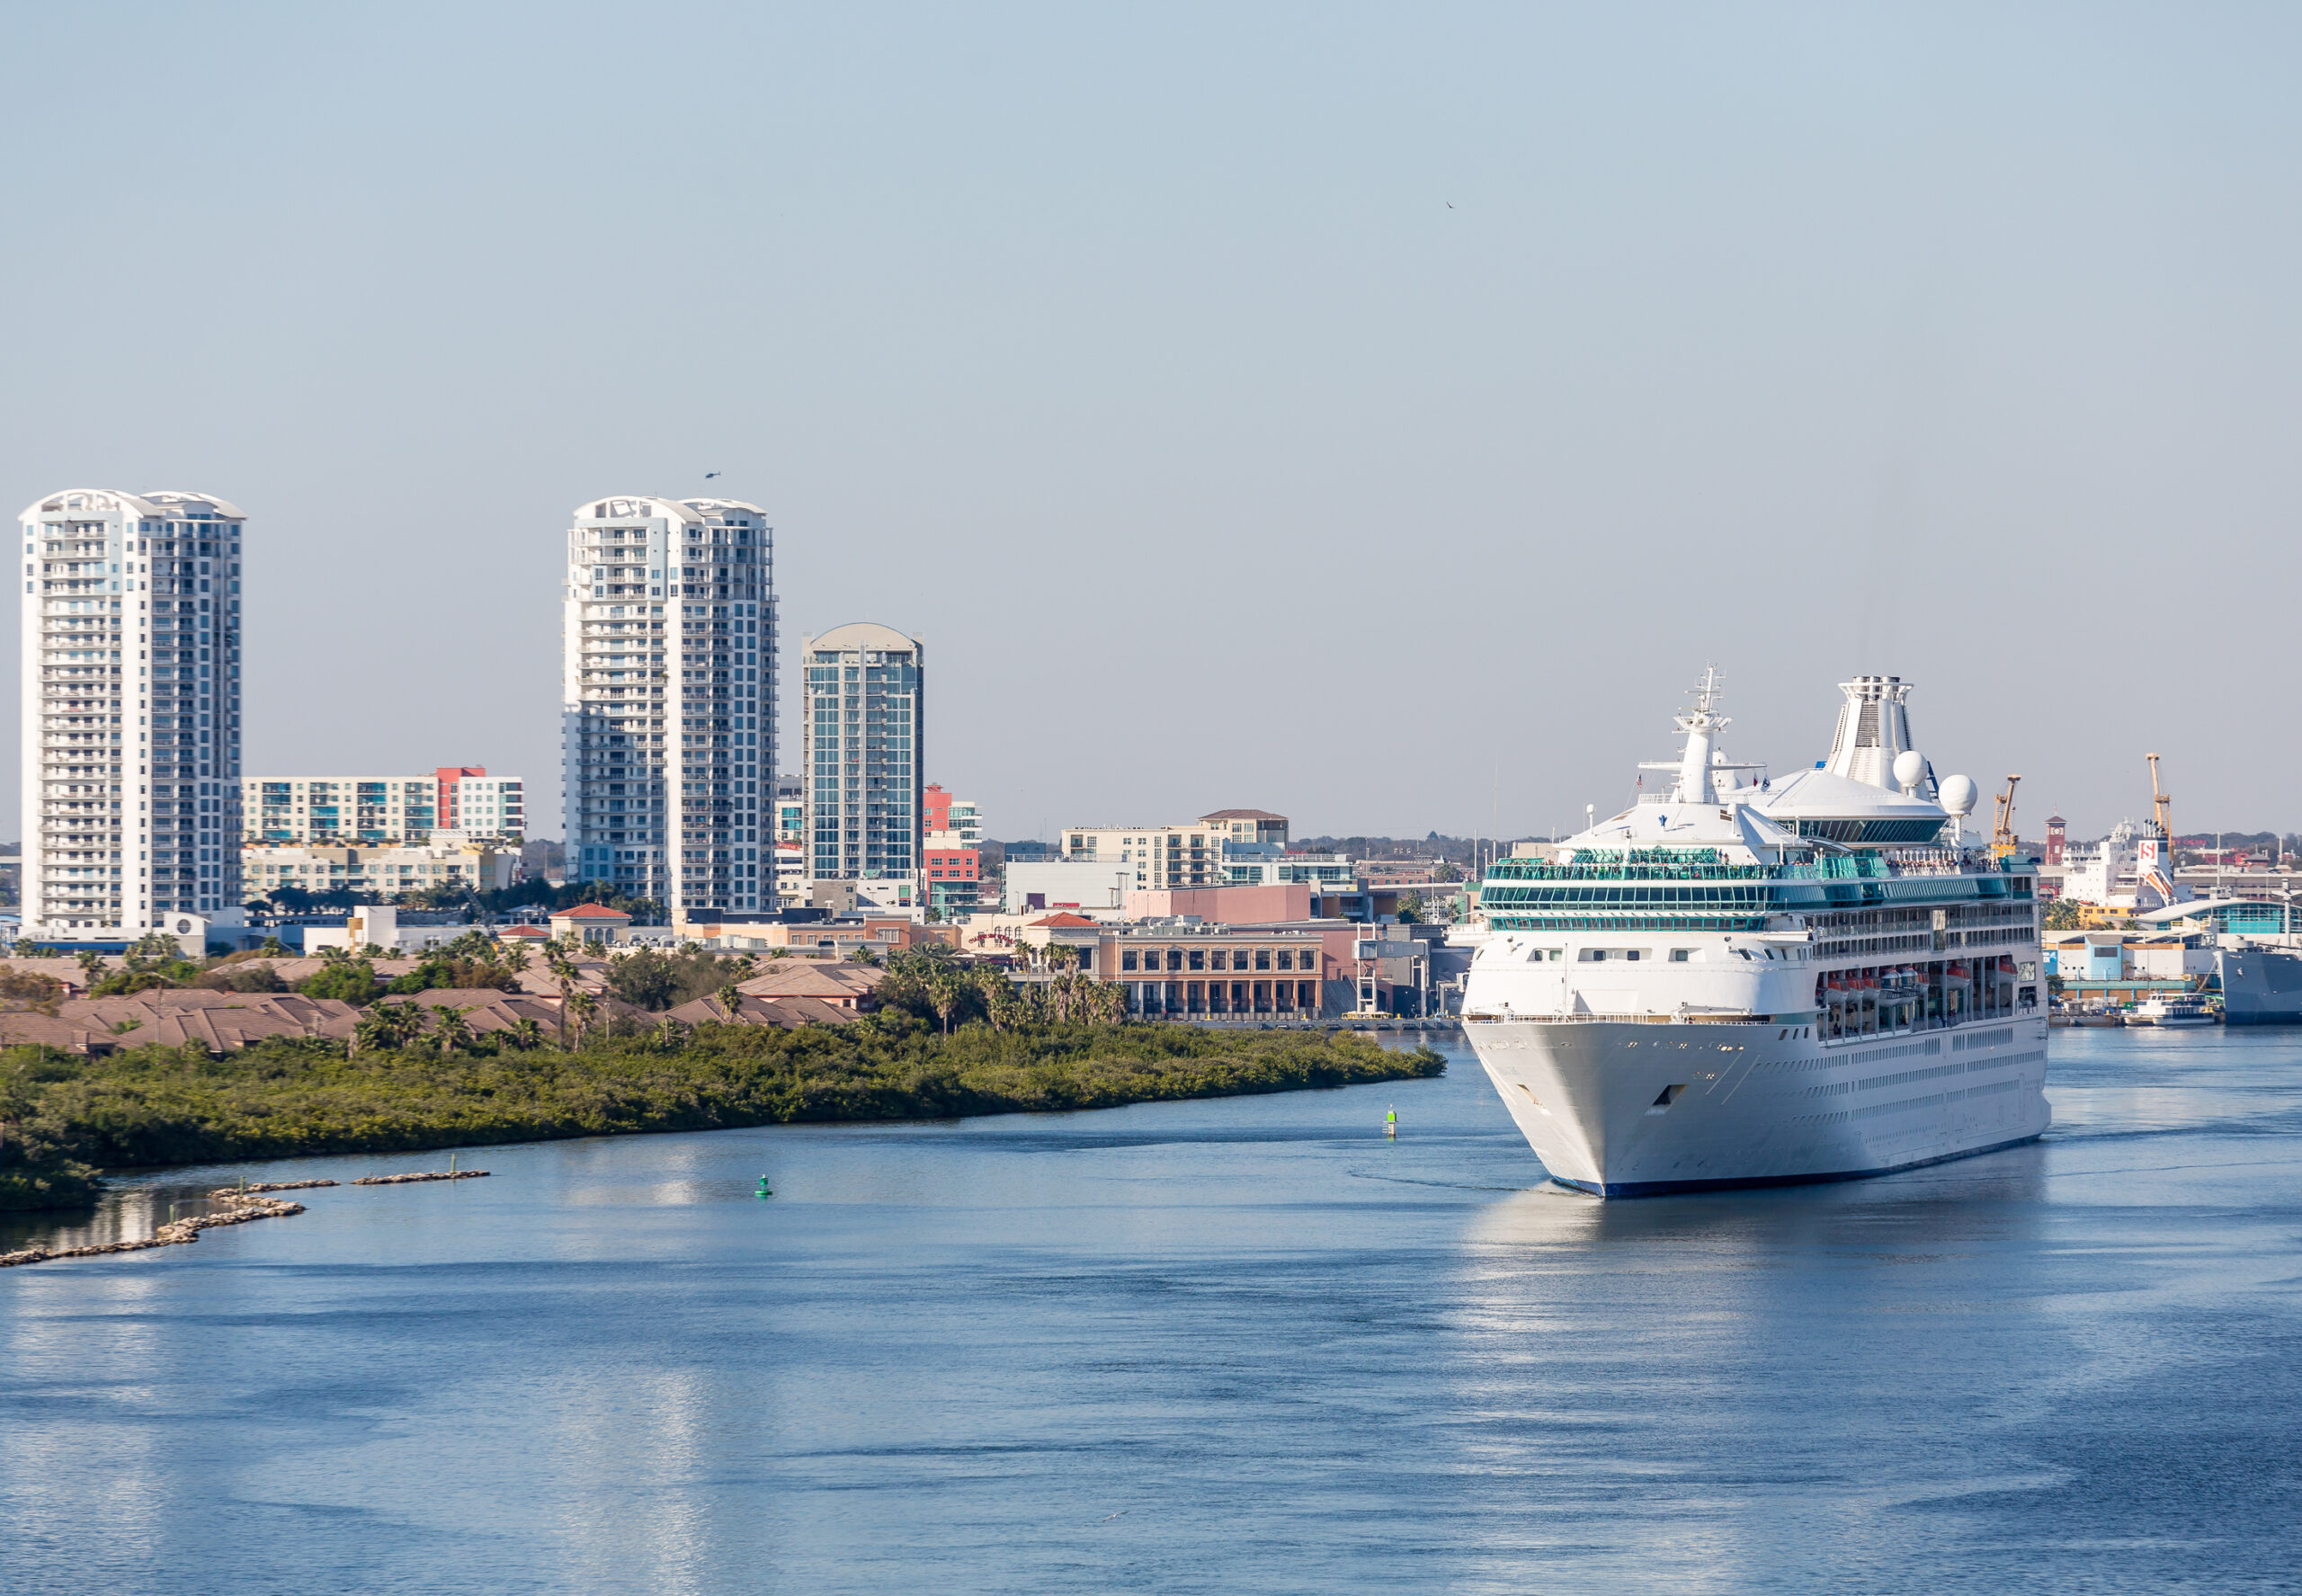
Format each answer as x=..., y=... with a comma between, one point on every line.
x=485, y=1008
x=23, y=1028
x=785, y=1012
x=220, y=1021
x=783, y=978
x=590, y=912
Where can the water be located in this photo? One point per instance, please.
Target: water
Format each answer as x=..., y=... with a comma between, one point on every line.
x=1234, y=1346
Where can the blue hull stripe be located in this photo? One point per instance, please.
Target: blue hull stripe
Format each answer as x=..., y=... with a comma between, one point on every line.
x=1661, y=1188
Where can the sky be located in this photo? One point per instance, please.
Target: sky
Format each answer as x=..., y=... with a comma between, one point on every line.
x=1378, y=415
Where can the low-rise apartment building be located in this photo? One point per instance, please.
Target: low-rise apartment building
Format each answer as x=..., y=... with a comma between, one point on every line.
x=1175, y=856
x=383, y=810
x=950, y=877
x=391, y=871
x=938, y=811
x=1268, y=864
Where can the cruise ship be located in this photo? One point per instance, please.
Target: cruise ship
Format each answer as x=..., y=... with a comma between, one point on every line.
x=1747, y=980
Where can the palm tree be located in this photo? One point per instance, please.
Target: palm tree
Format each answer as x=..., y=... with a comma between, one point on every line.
x=564, y=973
x=453, y=1032
x=731, y=1002
x=92, y=964
x=273, y=947
x=584, y=1007
x=945, y=994
x=378, y=1028
x=525, y=1033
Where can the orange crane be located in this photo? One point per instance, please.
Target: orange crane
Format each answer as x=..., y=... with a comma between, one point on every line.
x=2001, y=834
x=2161, y=809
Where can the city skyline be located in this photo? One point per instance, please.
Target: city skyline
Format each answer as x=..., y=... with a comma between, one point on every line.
x=1537, y=358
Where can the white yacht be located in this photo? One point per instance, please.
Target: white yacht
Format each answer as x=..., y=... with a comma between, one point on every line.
x=1748, y=981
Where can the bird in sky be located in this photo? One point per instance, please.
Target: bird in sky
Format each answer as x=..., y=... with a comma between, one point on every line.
x=707, y=476
x=1450, y=204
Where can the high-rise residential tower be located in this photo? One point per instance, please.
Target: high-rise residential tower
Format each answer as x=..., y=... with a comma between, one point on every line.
x=863, y=733
x=668, y=726
x=131, y=715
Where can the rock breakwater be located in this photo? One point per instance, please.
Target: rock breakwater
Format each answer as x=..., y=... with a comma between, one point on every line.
x=176, y=1233
x=246, y=1203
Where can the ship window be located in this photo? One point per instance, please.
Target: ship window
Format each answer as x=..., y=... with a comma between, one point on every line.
x=1682, y=955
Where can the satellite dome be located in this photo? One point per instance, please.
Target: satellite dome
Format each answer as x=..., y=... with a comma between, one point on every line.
x=1959, y=794
x=1910, y=769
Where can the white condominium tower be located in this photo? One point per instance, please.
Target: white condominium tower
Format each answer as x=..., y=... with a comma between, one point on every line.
x=131, y=714
x=668, y=739
x=860, y=740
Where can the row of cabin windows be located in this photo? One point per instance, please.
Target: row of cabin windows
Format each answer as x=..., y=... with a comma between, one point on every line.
x=1214, y=958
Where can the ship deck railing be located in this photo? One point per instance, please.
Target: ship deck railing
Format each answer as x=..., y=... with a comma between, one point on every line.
x=1932, y=1027
x=1606, y=864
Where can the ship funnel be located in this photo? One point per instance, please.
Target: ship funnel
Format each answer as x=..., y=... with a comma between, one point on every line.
x=1873, y=730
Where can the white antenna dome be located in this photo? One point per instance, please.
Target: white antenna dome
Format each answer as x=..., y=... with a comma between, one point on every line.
x=1959, y=794
x=1910, y=769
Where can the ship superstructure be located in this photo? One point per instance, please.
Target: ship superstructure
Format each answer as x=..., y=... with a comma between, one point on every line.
x=1747, y=980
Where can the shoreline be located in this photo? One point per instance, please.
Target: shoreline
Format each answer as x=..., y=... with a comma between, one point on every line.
x=150, y=1109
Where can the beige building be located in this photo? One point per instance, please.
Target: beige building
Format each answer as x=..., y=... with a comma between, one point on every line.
x=386, y=870
x=1215, y=972
x=1169, y=857
x=374, y=926
x=375, y=810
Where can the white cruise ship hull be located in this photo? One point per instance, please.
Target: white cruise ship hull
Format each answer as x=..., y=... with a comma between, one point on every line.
x=1757, y=1103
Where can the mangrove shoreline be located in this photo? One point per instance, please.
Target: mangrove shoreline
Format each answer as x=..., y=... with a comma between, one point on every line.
x=286, y=1098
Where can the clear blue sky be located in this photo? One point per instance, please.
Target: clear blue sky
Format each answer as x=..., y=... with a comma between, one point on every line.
x=1137, y=359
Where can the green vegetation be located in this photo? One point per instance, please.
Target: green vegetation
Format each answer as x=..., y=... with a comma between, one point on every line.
x=286, y=1097
x=539, y=895
x=655, y=981
x=929, y=984
x=37, y=1166
x=2063, y=914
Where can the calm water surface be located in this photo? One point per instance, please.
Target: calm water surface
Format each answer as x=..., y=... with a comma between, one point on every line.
x=1235, y=1346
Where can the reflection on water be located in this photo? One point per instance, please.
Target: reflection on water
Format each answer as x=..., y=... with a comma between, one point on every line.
x=1246, y=1345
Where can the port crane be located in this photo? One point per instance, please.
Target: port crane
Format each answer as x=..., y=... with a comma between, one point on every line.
x=2161, y=876
x=2001, y=833
x=2162, y=806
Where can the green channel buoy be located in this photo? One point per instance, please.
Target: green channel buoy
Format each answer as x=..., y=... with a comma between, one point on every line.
x=765, y=1189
